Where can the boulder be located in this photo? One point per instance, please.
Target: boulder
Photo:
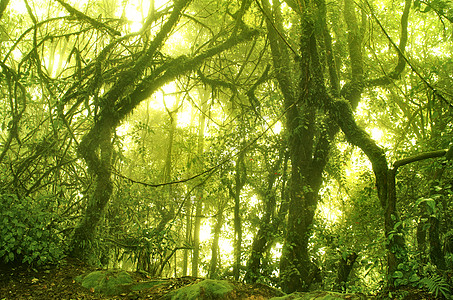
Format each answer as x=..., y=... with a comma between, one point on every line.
x=206, y=289
x=108, y=282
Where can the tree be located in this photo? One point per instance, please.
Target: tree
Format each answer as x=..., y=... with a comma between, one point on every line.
x=116, y=175
x=306, y=95
x=130, y=88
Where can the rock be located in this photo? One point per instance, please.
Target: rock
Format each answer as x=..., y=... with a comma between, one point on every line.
x=108, y=282
x=320, y=295
x=206, y=289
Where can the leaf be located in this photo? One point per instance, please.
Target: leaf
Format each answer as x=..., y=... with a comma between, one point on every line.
x=427, y=9
x=397, y=274
x=414, y=278
x=436, y=285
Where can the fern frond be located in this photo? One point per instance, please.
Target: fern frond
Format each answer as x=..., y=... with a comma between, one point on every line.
x=436, y=285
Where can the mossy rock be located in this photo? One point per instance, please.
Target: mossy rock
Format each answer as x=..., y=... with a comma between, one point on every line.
x=147, y=285
x=108, y=282
x=320, y=295
x=206, y=289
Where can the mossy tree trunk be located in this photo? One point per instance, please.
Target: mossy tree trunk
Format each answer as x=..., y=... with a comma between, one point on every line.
x=269, y=223
x=309, y=135
x=99, y=140
x=344, y=269
x=309, y=144
x=132, y=86
x=215, y=251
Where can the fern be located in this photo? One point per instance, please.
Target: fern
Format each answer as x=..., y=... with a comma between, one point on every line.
x=437, y=285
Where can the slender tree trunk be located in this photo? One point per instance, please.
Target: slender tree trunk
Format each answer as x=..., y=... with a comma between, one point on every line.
x=268, y=225
x=421, y=238
x=239, y=184
x=436, y=254
x=385, y=181
x=435, y=246
x=199, y=194
x=188, y=236
x=215, y=254
x=196, y=233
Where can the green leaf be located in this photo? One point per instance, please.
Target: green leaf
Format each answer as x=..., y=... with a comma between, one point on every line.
x=414, y=278
x=398, y=274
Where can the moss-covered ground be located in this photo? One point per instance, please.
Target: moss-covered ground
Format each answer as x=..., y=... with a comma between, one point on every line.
x=72, y=279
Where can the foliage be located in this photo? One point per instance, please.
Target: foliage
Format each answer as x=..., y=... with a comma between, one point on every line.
x=26, y=232
x=437, y=286
x=56, y=85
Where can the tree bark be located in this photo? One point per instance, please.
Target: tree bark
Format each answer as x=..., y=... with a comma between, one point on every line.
x=308, y=158
x=188, y=236
x=344, y=269
x=235, y=193
x=215, y=253
x=199, y=194
x=82, y=245
x=308, y=154
x=264, y=237
x=196, y=233
x=385, y=181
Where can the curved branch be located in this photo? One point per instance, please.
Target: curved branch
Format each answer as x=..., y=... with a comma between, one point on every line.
x=418, y=157
x=172, y=69
x=83, y=17
x=402, y=59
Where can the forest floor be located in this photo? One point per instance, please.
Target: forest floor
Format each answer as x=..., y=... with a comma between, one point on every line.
x=58, y=282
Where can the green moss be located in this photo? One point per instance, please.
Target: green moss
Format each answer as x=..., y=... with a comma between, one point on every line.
x=319, y=295
x=146, y=285
x=206, y=289
x=106, y=282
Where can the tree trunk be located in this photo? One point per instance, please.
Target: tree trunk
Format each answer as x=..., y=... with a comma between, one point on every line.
x=82, y=244
x=421, y=239
x=344, y=269
x=215, y=253
x=236, y=193
x=188, y=236
x=302, y=104
x=199, y=194
x=269, y=224
x=385, y=182
x=196, y=233
x=308, y=154
x=435, y=246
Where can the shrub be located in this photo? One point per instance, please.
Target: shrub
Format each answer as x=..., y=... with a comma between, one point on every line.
x=25, y=232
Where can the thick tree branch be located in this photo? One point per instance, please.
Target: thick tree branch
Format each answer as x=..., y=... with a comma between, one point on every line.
x=81, y=16
x=172, y=69
x=343, y=115
x=3, y=5
x=400, y=49
x=418, y=157
x=280, y=54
